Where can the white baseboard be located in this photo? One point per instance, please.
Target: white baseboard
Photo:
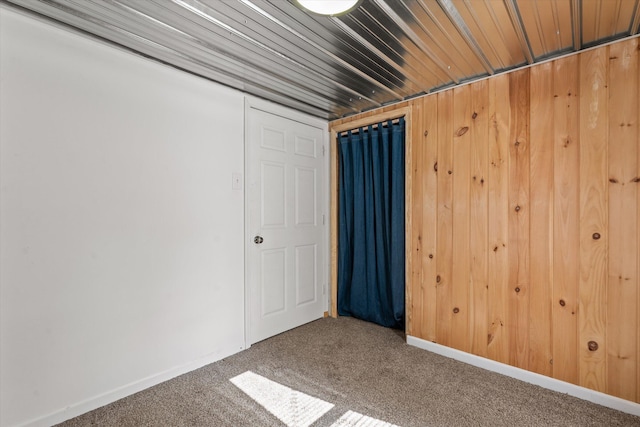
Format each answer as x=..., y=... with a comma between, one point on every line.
x=96, y=402
x=529, y=377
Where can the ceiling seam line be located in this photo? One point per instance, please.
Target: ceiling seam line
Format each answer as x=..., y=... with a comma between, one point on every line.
x=635, y=22
x=399, y=86
x=475, y=18
x=432, y=37
x=556, y=22
x=541, y=35
x=414, y=38
x=454, y=16
x=419, y=60
x=516, y=21
x=353, y=34
x=576, y=23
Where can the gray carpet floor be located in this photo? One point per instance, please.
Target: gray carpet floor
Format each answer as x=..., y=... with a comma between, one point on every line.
x=357, y=366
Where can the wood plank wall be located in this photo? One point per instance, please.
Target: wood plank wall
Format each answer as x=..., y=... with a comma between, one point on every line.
x=525, y=235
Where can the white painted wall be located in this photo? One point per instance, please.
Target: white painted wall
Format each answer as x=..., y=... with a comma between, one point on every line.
x=121, y=255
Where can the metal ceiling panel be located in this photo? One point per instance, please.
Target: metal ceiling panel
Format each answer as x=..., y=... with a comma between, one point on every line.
x=206, y=24
x=434, y=34
x=606, y=19
x=490, y=25
x=382, y=52
x=372, y=76
x=373, y=24
x=548, y=26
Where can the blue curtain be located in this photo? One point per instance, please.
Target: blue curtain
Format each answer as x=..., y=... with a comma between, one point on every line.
x=371, y=257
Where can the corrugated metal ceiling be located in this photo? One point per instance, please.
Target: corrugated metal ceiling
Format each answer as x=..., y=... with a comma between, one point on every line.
x=383, y=52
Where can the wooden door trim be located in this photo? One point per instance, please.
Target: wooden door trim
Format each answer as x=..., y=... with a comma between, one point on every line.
x=334, y=173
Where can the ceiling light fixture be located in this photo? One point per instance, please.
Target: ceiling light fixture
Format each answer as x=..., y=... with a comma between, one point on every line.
x=329, y=7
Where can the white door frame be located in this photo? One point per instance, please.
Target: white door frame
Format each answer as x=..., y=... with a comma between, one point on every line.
x=278, y=110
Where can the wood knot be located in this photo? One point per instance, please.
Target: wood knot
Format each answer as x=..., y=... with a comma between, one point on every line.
x=456, y=310
x=613, y=180
x=517, y=289
x=481, y=180
x=562, y=303
x=449, y=172
x=517, y=208
x=489, y=338
x=474, y=115
x=430, y=256
x=516, y=143
x=462, y=131
x=426, y=132
x=593, y=346
x=495, y=249
x=596, y=236
x=636, y=179
x=435, y=166
x=438, y=278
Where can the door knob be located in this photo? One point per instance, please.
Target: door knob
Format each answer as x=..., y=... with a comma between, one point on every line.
x=257, y=240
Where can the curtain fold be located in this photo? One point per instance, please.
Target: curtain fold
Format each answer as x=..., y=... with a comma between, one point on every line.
x=371, y=252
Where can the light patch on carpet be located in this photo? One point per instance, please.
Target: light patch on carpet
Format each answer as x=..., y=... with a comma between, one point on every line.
x=354, y=419
x=292, y=407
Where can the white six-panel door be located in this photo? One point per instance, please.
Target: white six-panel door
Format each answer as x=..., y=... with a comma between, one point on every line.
x=285, y=177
